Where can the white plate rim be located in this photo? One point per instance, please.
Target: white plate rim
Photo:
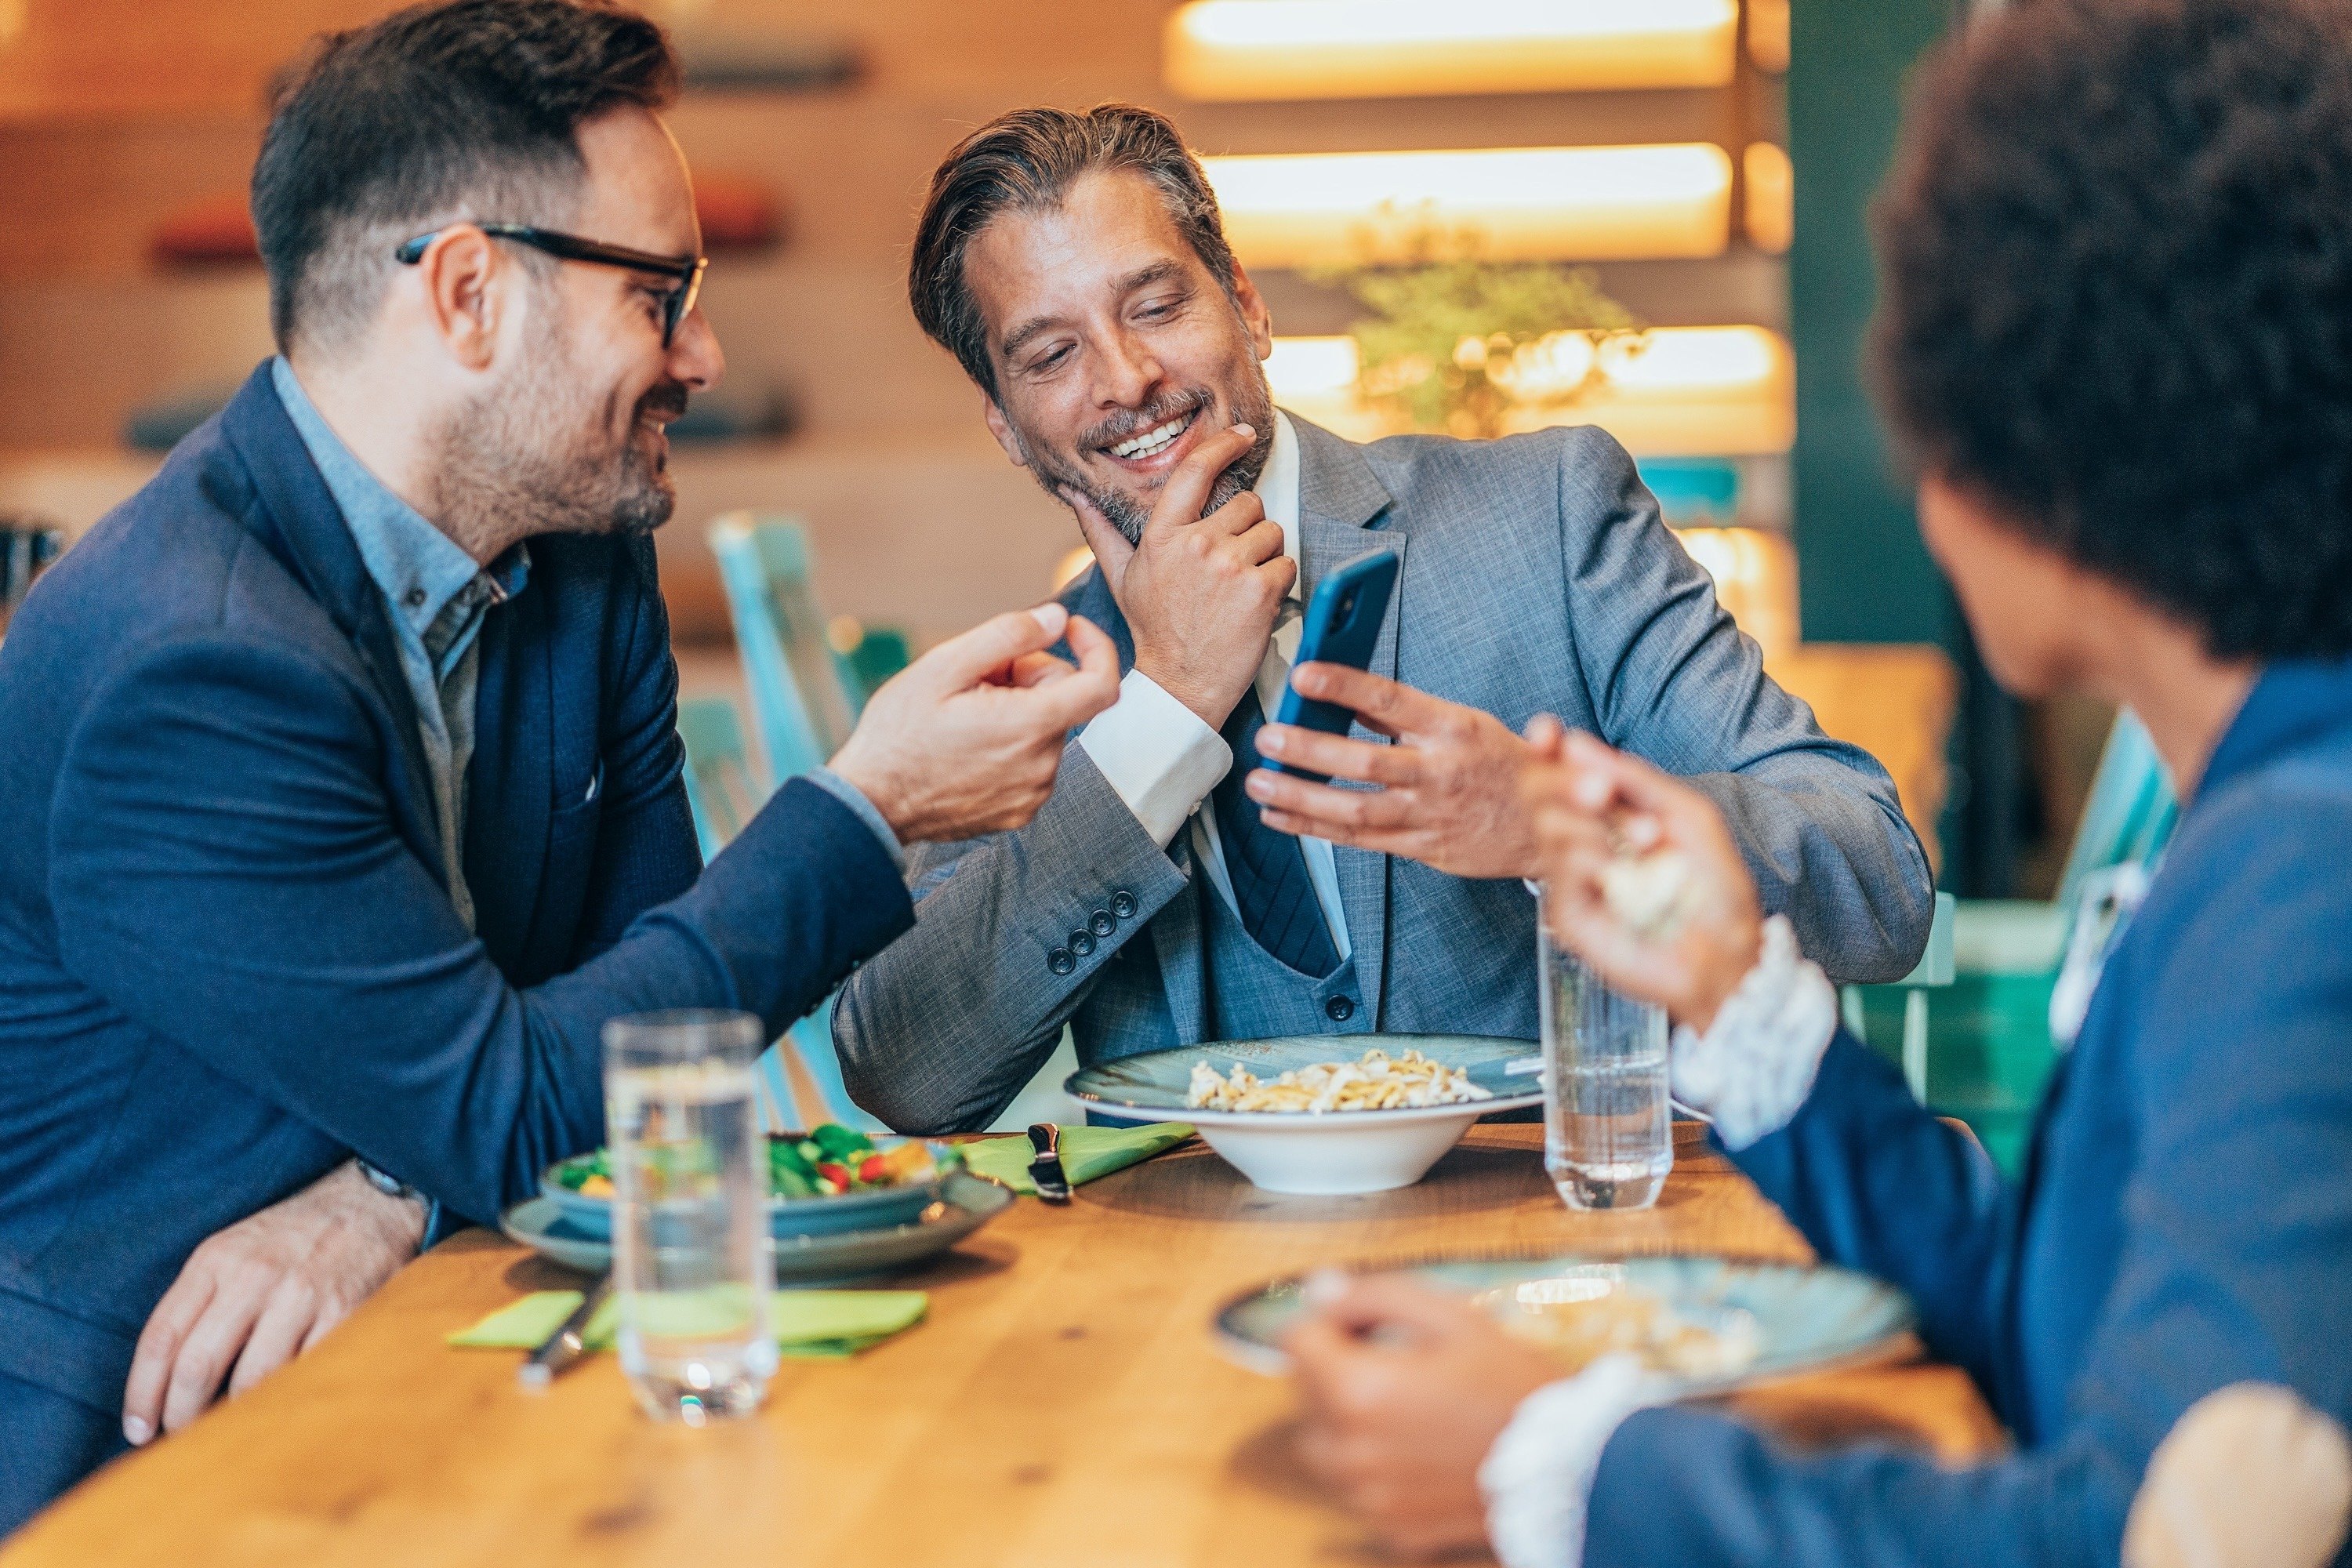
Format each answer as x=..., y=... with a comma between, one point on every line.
x=1266, y=1119
x=1894, y=1346
x=1312, y=1120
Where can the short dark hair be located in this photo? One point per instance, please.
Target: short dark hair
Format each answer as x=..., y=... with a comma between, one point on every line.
x=1029, y=159
x=427, y=116
x=2115, y=257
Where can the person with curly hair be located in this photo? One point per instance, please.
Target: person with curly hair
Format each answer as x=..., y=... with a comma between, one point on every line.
x=2116, y=339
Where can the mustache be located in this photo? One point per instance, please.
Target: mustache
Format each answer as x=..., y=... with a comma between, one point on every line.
x=1158, y=411
x=668, y=400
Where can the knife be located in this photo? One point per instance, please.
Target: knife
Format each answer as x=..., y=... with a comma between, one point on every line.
x=567, y=1343
x=1046, y=1164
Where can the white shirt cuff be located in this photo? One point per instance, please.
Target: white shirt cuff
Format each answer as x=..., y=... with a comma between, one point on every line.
x=1752, y=1070
x=1157, y=754
x=1538, y=1477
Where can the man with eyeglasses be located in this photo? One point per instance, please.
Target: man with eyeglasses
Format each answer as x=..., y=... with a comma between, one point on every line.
x=342, y=778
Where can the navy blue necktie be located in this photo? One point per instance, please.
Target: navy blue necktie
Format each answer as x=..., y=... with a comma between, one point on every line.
x=1267, y=869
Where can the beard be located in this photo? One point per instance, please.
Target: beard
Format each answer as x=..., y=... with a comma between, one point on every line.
x=537, y=449
x=1057, y=471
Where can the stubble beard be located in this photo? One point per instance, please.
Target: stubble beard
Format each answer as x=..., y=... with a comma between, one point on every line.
x=531, y=457
x=1057, y=472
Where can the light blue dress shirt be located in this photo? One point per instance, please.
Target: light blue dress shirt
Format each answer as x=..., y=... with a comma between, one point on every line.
x=437, y=595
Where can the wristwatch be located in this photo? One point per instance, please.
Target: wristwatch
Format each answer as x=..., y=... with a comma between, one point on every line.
x=387, y=1184
x=391, y=1186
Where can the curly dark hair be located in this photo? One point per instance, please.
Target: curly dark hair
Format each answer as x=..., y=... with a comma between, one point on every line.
x=2116, y=260
x=430, y=114
x=1026, y=160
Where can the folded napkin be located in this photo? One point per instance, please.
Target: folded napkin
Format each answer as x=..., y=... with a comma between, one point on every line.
x=807, y=1323
x=1086, y=1151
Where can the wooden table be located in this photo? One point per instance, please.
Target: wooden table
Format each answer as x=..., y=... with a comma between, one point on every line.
x=1062, y=1403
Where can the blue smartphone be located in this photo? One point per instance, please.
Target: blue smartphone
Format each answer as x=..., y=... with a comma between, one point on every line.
x=1343, y=622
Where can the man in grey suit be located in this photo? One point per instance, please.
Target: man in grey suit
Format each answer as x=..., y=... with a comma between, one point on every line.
x=1075, y=264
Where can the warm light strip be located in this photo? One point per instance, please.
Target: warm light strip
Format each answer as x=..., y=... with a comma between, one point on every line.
x=1389, y=49
x=1768, y=34
x=1771, y=189
x=1671, y=391
x=1597, y=204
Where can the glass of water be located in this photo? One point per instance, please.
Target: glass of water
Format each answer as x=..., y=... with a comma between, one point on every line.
x=1608, y=1142
x=692, y=1261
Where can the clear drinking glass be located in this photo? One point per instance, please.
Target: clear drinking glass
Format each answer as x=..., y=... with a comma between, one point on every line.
x=692, y=1261
x=1608, y=1142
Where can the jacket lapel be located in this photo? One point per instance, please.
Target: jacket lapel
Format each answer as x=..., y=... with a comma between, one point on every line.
x=305, y=529
x=1343, y=513
x=1089, y=595
x=511, y=783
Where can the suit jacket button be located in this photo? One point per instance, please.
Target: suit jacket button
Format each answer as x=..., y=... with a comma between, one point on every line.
x=1060, y=962
x=1100, y=923
x=1339, y=1009
x=1082, y=942
x=1122, y=904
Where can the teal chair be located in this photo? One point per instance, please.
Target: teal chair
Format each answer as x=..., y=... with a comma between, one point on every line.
x=804, y=702
x=2128, y=820
x=725, y=790
x=2131, y=812
x=874, y=655
x=1933, y=969
x=804, y=697
x=1987, y=1055
x=721, y=785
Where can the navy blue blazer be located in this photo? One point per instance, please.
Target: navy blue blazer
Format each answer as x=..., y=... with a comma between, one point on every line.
x=2183, y=1223
x=227, y=960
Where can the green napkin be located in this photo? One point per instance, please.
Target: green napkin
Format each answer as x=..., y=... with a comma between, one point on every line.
x=1086, y=1151
x=807, y=1323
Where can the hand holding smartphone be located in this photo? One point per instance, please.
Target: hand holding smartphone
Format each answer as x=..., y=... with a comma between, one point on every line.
x=1343, y=623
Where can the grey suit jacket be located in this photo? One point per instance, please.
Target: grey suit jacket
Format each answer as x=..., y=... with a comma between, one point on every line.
x=1536, y=578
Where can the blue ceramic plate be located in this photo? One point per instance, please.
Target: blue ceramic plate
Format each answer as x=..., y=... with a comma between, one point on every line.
x=1785, y=1318
x=966, y=1203
x=1159, y=1081
x=787, y=1218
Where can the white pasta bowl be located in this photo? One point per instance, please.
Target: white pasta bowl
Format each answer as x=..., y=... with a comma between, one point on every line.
x=1325, y=1152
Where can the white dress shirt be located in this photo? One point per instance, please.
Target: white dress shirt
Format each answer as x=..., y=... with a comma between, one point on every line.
x=1162, y=760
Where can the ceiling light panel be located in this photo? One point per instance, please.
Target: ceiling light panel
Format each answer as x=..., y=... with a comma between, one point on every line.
x=1597, y=204
x=1227, y=50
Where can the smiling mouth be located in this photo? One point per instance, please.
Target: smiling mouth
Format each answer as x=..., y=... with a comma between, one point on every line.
x=1146, y=445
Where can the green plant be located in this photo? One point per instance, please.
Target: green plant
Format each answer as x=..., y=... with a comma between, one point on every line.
x=1454, y=338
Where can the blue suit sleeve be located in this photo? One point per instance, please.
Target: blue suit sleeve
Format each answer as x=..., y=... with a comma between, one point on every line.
x=2235, y=1258
x=1877, y=1183
x=1693, y=1488
x=230, y=878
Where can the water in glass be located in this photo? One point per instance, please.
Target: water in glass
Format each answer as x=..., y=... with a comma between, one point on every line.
x=691, y=1256
x=1608, y=1143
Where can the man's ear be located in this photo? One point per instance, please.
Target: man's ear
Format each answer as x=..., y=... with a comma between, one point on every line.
x=1254, y=314
x=1002, y=428
x=467, y=283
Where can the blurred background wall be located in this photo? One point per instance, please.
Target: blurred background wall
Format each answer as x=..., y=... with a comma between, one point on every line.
x=127, y=306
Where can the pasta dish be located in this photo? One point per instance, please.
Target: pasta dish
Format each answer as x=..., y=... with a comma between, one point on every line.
x=1374, y=1081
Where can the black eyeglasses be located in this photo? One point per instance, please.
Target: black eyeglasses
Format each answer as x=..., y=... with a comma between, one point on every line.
x=688, y=270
